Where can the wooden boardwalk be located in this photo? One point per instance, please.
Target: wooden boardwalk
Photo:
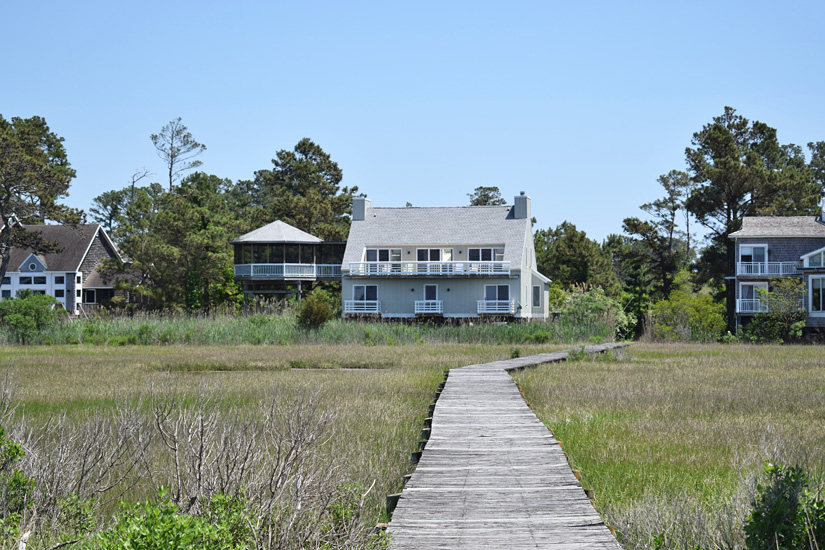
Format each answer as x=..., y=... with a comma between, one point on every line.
x=492, y=475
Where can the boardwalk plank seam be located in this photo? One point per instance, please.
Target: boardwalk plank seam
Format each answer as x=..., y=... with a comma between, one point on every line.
x=491, y=475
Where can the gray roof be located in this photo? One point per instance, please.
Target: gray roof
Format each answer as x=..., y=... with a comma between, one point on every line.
x=437, y=226
x=277, y=232
x=780, y=226
x=73, y=240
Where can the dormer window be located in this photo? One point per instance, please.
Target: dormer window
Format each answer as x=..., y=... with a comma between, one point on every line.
x=817, y=260
x=32, y=266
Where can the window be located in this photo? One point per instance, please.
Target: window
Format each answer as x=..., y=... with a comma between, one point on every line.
x=32, y=266
x=6, y=281
x=60, y=280
x=25, y=280
x=817, y=296
x=79, y=279
x=59, y=293
x=536, y=296
x=496, y=292
x=78, y=293
x=365, y=292
x=40, y=280
x=753, y=254
x=749, y=300
x=90, y=296
x=5, y=294
x=431, y=292
x=817, y=260
x=485, y=254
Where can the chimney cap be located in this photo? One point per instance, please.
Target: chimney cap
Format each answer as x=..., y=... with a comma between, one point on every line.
x=523, y=193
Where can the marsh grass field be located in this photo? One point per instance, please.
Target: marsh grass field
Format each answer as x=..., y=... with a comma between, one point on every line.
x=668, y=436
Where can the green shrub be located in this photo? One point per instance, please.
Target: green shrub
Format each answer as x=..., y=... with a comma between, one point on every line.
x=316, y=309
x=28, y=314
x=784, y=515
x=687, y=317
x=148, y=526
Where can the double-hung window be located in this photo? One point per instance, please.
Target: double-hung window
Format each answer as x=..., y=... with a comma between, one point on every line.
x=536, y=296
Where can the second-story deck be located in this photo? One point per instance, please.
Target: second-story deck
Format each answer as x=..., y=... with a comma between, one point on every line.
x=769, y=269
x=429, y=269
x=306, y=272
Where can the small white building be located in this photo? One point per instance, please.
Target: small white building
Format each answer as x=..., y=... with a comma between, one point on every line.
x=450, y=262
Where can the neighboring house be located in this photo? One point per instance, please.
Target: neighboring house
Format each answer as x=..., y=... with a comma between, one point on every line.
x=769, y=248
x=462, y=262
x=70, y=275
x=278, y=259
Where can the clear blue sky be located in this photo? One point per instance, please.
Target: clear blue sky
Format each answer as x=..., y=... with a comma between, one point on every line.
x=580, y=104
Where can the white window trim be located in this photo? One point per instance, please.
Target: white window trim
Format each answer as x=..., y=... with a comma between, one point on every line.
x=755, y=245
x=806, y=257
x=496, y=287
x=810, y=304
x=365, y=293
x=533, y=298
x=425, y=292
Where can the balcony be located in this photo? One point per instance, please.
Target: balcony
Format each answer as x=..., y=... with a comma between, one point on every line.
x=497, y=307
x=288, y=271
x=429, y=307
x=776, y=269
x=362, y=306
x=756, y=305
x=430, y=269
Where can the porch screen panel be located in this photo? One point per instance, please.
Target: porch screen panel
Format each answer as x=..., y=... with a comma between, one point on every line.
x=292, y=254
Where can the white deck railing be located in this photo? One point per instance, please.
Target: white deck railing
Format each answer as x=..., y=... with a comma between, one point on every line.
x=288, y=271
x=767, y=268
x=442, y=269
x=362, y=306
x=497, y=306
x=429, y=306
x=756, y=305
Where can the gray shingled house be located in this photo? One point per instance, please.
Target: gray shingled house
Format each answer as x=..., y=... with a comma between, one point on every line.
x=450, y=262
x=70, y=275
x=769, y=248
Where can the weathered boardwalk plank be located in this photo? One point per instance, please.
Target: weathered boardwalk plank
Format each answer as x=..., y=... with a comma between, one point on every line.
x=492, y=475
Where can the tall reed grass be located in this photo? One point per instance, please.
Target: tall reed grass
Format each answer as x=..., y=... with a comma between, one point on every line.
x=283, y=329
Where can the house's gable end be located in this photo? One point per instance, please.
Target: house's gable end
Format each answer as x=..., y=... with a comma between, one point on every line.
x=32, y=264
x=99, y=249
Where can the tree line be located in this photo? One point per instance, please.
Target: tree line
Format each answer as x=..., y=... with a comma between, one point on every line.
x=176, y=235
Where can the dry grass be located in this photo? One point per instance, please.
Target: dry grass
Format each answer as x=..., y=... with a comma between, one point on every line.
x=672, y=419
x=378, y=395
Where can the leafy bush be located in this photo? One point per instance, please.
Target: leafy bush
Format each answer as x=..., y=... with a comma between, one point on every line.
x=687, y=317
x=147, y=526
x=784, y=514
x=785, y=316
x=590, y=308
x=28, y=314
x=316, y=309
